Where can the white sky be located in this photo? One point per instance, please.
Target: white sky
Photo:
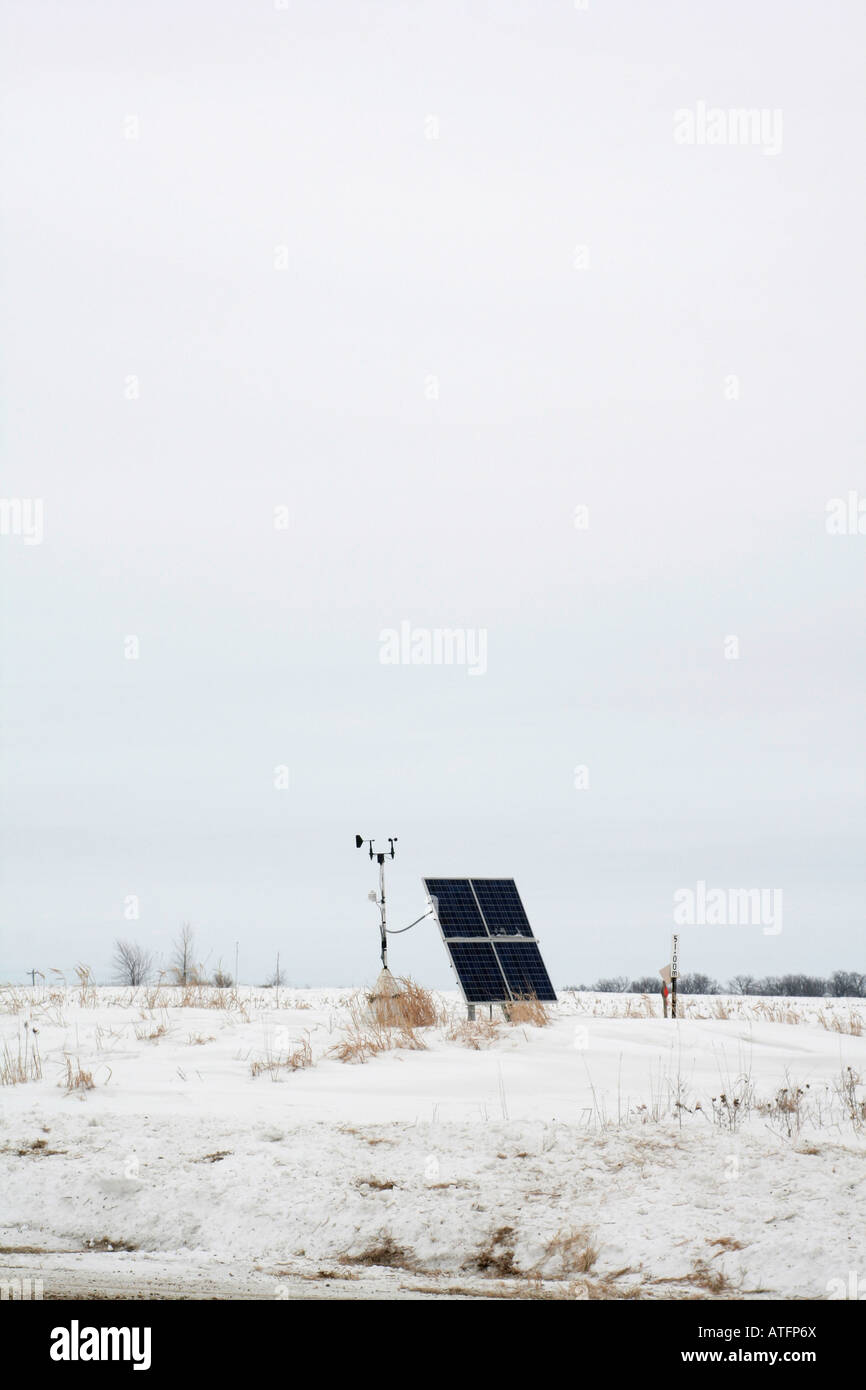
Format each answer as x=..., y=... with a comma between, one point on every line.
x=409, y=258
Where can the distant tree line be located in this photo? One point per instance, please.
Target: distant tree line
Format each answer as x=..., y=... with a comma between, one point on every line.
x=134, y=965
x=842, y=984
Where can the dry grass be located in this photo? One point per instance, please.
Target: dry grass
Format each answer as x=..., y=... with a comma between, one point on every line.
x=38, y=1148
x=849, y=1023
x=104, y=1243
x=496, y=1256
x=713, y=1281
x=786, y=1110
x=476, y=1034
x=846, y=1087
x=573, y=1252
x=359, y=1044
x=532, y=1288
x=644, y=1007
x=385, y=1024
x=21, y=1065
x=701, y=1276
x=759, y=1008
x=151, y=1030
x=775, y=1011
x=364, y=1037
x=275, y=1064
x=156, y=996
x=320, y=1274
x=88, y=998
x=528, y=1010
x=77, y=1079
x=387, y=1253
x=480, y=1032
x=737, y=1006
x=195, y=995
x=414, y=1007
x=13, y=1000
x=198, y=995
x=372, y=1140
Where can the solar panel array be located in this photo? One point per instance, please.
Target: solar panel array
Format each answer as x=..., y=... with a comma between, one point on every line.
x=489, y=940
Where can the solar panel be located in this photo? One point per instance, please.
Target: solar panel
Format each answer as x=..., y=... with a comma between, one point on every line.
x=477, y=970
x=456, y=907
x=489, y=940
x=524, y=970
x=500, y=903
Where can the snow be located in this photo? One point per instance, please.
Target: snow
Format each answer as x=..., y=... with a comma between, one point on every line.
x=598, y=1147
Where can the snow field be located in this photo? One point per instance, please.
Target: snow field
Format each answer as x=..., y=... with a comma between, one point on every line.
x=598, y=1156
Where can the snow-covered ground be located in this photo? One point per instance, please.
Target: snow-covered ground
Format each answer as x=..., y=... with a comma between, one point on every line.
x=612, y=1153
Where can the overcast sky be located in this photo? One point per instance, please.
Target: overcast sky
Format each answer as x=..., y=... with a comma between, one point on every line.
x=431, y=277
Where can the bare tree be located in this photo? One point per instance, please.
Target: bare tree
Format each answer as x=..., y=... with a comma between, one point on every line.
x=221, y=978
x=847, y=984
x=646, y=984
x=133, y=965
x=743, y=984
x=182, y=966
x=804, y=986
x=694, y=982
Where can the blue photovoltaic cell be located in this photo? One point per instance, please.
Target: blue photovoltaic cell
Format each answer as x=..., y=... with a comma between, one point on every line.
x=524, y=970
x=500, y=904
x=455, y=907
x=478, y=973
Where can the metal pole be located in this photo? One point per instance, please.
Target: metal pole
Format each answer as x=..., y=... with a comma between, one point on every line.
x=382, y=910
x=236, y=965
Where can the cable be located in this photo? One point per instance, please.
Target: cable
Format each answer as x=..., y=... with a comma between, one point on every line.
x=400, y=930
